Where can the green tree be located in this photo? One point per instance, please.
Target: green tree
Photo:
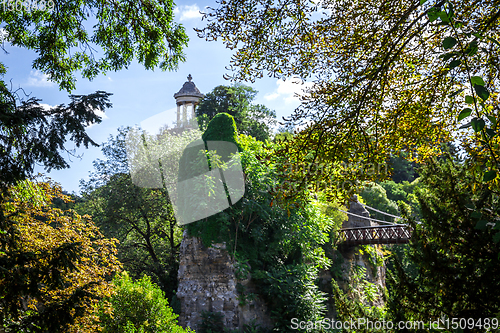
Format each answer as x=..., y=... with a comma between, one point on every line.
x=56, y=264
x=280, y=247
x=138, y=307
x=375, y=196
x=389, y=76
x=30, y=134
x=454, y=246
x=140, y=217
x=403, y=170
x=385, y=196
x=251, y=119
x=123, y=30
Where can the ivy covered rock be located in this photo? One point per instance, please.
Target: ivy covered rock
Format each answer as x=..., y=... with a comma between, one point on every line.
x=210, y=176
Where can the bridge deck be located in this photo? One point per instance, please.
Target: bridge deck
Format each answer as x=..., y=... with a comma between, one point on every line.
x=383, y=234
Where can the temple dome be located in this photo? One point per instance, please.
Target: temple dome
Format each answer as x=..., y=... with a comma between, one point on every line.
x=189, y=89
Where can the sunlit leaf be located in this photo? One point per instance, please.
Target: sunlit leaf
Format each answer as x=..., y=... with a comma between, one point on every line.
x=464, y=113
x=449, y=42
x=433, y=14
x=489, y=175
x=477, y=80
x=444, y=16
x=477, y=124
x=482, y=92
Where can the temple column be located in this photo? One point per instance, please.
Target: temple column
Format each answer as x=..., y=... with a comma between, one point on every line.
x=178, y=114
x=184, y=114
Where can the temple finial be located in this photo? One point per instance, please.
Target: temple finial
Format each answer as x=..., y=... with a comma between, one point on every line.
x=190, y=77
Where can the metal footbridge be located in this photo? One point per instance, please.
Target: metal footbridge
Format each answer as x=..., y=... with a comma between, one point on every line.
x=390, y=233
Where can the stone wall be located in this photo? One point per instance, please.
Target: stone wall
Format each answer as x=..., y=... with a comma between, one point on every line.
x=355, y=207
x=207, y=282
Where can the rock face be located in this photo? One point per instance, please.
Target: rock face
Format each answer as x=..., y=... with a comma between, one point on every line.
x=207, y=282
x=353, y=259
x=349, y=262
x=357, y=208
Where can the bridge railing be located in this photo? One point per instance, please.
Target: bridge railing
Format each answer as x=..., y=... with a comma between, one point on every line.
x=384, y=234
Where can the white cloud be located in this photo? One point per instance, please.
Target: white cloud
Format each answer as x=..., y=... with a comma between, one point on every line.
x=46, y=106
x=3, y=35
x=101, y=114
x=272, y=96
x=188, y=12
x=288, y=90
x=39, y=79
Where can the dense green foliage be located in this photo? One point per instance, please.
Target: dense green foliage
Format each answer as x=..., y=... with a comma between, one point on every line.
x=123, y=31
x=55, y=265
x=141, y=218
x=53, y=280
x=281, y=248
x=391, y=77
x=375, y=196
x=221, y=127
x=402, y=169
x=211, y=322
x=138, y=307
x=251, y=119
x=385, y=196
x=454, y=247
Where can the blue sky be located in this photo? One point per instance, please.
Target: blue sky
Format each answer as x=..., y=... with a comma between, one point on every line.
x=139, y=94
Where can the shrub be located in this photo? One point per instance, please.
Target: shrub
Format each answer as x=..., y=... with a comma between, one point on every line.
x=139, y=307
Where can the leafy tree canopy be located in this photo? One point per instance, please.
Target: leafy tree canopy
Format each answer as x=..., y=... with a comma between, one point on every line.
x=138, y=307
x=280, y=247
x=140, y=217
x=123, y=30
x=55, y=264
x=251, y=119
x=389, y=75
x=455, y=247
